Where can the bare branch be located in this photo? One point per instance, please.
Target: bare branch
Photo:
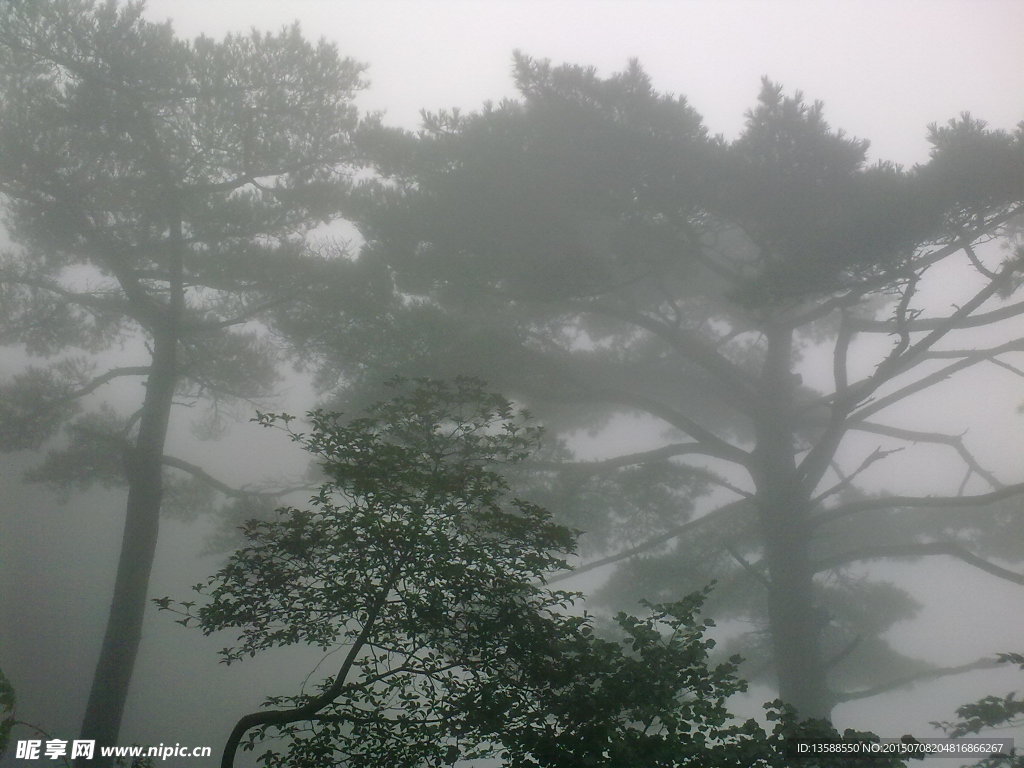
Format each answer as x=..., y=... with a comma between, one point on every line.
x=930, y=674
x=814, y=465
x=91, y=301
x=739, y=558
x=245, y=316
x=642, y=457
x=1011, y=368
x=919, y=502
x=954, y=441
x=921, y=549
x=107, y=377
x=716, y=515
x=966, y=245
x=1017, y=345
x=228, y=490
x=626, y=460
x=845, y=480
x=905, y=354
x=710, y=443
x=923, y=383
x=933, y=323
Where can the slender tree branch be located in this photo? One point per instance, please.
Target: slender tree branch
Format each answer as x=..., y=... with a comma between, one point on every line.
x=625, y=460
x=876, y=455
x=90, y=301
x=316, y=703
x=248, y=314
x=919, y=263
x=716, y=515
x=916, y=386
x=918, y=502
x=642, y=457
x=930, y=674
x=845, y=651
x=711, y=444
x=934, y=323
x=1017, y=345
x=739, y=558
x=107, y=377
x=921, y=549
x=239, y=493
x=1011, y=368
x=954, y=441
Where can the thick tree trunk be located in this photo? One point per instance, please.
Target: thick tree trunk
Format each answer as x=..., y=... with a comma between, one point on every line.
x=109, y=691
x=794, y=616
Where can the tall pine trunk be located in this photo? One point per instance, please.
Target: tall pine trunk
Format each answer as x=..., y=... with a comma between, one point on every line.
x=144, y=466
x=144, y=472
x=793, y=614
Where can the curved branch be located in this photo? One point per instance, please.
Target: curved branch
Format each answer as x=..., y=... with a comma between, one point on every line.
x=920, y=502
x=90, y=301
x=956, y=442
x=920, y=262
x=906, y=355
x=625, y=460
x=654, y=541
x=105, y=378
x=710, y=444
x=927, y=381
x=921, y=549
x=316, y=703
x=930, y=674
x=642, y=457
x=846, y=480
x=239, y=493
x=932, y=323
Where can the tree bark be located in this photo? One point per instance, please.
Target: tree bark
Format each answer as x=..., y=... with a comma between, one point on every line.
x=794, y=617
x=105, y=707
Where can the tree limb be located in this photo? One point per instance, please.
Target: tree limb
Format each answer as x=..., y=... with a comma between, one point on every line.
x=239, y=493
x=655, y=541
x=315, y=703
x=920, y=262
x=105, y=378
x=844, y=482
x=711, y=444
x=930, y=674
x=933, y=323
x=920, y=502
x=912, y=435
x=921, y=549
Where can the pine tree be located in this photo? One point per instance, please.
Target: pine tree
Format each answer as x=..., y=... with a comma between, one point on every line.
x=157, y=195
x=590, y=250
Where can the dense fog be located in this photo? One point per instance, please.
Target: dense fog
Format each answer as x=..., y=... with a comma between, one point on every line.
x=774, y=344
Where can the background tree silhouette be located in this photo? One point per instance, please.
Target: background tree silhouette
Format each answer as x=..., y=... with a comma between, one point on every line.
x=157, y=194
x=592, y=251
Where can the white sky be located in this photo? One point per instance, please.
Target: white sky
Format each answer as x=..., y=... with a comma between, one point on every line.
x=884, y=69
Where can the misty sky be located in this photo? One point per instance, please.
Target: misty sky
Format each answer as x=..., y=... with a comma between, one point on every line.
x=884, y=69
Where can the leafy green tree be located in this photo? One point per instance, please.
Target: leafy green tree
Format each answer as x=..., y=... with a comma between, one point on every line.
x=419, y=568
x=591, y=250
x=157, y=193
x=991, y=712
